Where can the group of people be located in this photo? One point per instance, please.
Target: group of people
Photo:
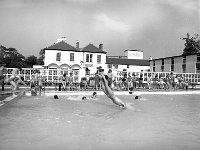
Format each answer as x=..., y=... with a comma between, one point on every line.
x=15, y=80
x=3, y=71
x=171, y=81
x=106, y=87
x=37, y=84
x=65, y=82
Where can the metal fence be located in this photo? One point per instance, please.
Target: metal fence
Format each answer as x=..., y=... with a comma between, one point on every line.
x=52, y=75
x=187, y=77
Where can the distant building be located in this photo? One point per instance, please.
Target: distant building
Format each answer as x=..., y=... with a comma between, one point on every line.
x=132, y=61
x=122, y=64
x=178, y=64
x=62, y=55
x=133, y=54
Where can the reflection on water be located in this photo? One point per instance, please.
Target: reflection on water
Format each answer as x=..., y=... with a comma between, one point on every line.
x=154, y=122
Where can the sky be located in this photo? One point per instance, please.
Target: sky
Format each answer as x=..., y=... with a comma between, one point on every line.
x=152, y=26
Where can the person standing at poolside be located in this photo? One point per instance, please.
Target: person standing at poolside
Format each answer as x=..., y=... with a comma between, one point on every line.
x=40, y=83
x=2, y=74
x=107, y=90
x=110, y=78
x=64, y=81
x=12, y=80
x=96, y=81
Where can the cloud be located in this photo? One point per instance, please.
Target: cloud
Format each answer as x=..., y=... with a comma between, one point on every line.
x=184, y=5
x=106, y=22
x=84, y=0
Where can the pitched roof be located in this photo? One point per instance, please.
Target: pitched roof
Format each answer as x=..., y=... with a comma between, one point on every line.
x=135, y=62
x=63, y=46
x=92, y=49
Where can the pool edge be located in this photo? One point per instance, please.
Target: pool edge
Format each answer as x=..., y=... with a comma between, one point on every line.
x=10, y=99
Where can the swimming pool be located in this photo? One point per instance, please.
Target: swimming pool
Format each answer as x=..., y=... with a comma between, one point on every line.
x=167, y=122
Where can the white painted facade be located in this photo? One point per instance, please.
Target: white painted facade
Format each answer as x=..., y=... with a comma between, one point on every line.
x=79, y=59
x=58, y=56
x=50, y=58
x=133, y=54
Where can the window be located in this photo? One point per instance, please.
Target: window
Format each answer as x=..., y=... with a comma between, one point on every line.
x=183, y=68
x=198, y=68
x=71, y=56
x=88, y=57
x=127, y=66
x=172, y=61
x=184, y=59
x=154, y=68
x=172, y=67
x=172, y=64
x=198, y=64
x=163, y=62
x=98, y=58
x=162, y=68
x=198, y=57
x=58, y=56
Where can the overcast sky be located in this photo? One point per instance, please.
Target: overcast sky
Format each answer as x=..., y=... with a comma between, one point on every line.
x=153, y=26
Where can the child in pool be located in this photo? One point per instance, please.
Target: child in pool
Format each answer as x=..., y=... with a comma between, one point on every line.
x=94, y=95
x=33, y=91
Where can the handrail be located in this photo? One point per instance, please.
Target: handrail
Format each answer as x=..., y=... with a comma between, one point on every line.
x=52, y=75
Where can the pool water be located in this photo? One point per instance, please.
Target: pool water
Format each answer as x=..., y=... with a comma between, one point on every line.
x=167, y=122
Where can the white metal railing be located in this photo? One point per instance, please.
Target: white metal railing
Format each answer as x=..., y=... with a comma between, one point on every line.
x=52, y=75
x=187, y=77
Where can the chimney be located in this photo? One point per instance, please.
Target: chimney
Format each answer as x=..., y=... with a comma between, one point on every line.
x=77, y=44
x=101, y=46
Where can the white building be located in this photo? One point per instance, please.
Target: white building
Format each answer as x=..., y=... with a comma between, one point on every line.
x=61, y=55
x=133, y=54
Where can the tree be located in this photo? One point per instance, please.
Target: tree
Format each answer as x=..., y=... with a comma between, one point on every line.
x=30, y=61
x=12, y=58
x=192, y=44
x=40, y=60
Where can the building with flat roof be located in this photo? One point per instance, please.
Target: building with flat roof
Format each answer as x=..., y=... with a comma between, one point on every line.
x=178, y=64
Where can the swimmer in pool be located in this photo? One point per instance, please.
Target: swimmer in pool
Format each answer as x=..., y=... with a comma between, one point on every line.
x=107, y=90
x=56, y=97
x=80, y=97
x=137, y=97
x=94, y=96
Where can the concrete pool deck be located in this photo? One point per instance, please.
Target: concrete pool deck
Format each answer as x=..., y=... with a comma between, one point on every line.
x=11, y=98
